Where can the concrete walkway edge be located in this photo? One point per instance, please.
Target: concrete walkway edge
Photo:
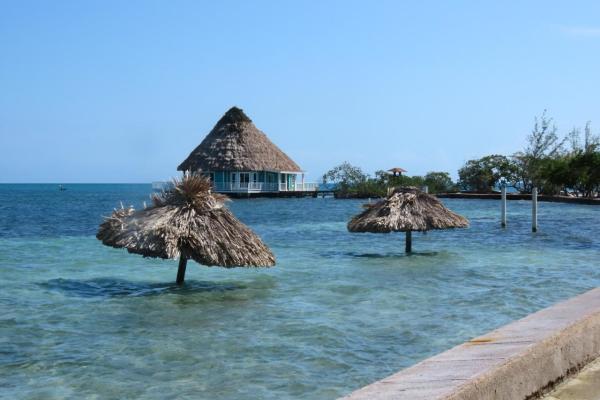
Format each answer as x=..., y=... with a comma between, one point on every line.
x=520, y=360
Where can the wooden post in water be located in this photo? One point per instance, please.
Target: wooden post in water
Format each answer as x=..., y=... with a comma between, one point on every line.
x=181, y=270
x=408, y=248
x=534, y=209
x=425, y=189
x=503, y=207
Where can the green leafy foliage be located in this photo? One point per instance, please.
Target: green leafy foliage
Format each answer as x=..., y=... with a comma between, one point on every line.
x=351, y=181
x=345, y=176
x=553, y=164
x=483, y=174
x=439, y=182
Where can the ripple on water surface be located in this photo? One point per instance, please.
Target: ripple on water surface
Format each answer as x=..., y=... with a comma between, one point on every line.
x=338, y=311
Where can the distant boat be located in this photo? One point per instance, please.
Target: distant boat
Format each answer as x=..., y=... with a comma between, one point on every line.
x=61, y=188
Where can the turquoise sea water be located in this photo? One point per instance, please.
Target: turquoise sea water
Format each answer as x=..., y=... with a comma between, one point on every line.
x=340, y=310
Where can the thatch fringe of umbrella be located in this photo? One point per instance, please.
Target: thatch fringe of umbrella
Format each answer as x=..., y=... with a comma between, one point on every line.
x=406, y=210
x=187, y=222
x=236, y=144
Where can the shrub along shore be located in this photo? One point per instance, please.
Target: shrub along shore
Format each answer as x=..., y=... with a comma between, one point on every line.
x=485, y=196
x=565, y=169
x=521, y=196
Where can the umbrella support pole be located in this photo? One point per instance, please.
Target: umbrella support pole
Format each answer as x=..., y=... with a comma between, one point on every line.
x=408, y=241
x=181, y=270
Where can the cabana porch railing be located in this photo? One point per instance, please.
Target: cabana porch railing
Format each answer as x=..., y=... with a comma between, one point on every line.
x=264, y=187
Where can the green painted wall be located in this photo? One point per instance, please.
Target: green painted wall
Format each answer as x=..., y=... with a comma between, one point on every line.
x=263, y=176
x=271, y=177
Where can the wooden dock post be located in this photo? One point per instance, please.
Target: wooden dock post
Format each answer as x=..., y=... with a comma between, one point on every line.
x=408, y=247
x=503, y=206
x=181, y=270
x=425, y=189
x=534, y=209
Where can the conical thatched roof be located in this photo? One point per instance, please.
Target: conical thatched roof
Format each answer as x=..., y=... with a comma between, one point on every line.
x=406, y=209
x=186, y=221
x=235, y=144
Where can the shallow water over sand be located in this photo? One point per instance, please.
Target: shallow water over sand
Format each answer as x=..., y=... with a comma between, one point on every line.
x=78, y=319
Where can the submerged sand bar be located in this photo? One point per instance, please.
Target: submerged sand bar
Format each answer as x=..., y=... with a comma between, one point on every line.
x=517, y=361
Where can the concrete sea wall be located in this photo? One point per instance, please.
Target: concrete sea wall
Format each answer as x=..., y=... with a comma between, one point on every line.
x=517, y=361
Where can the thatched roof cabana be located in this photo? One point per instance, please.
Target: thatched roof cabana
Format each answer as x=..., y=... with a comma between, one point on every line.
x=186, y=222
x=406, y=210
x=236, y=144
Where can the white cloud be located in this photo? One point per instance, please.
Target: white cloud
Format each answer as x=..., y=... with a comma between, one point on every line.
x=582, y=31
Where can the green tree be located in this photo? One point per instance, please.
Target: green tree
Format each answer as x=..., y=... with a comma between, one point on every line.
x=556, y=174
x=588, y=144
x=386, y=180
x=438, y=182
x=586, y=168
x=483, y=174
x=573, y=169
x=542, y=143
x=345, y=176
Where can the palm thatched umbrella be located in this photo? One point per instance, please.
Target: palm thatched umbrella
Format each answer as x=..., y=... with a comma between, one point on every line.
x=406, y=210
x=396, y=171
x=186, y=222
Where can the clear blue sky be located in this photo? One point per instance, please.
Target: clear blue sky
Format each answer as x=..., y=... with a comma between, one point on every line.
x=122, y=91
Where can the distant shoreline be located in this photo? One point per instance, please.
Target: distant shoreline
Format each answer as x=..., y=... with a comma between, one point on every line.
x=496, y=196
x=520, y=196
